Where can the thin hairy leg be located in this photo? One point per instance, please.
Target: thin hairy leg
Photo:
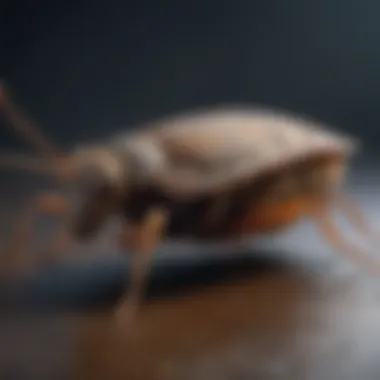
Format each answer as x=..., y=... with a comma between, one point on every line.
x=354, y=214
x=143, y=240
x=330, y=231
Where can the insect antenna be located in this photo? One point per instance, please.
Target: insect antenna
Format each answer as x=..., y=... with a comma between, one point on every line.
x=23, y=126
x=23, y=162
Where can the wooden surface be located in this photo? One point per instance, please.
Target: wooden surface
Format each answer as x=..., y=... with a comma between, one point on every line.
x=274, y=324
x=242, y=318
x=177, y=337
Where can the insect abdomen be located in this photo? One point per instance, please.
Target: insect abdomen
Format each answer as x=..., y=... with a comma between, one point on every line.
x=236, y=219
x=271, y=203
x=275, y=201
x=270, y=216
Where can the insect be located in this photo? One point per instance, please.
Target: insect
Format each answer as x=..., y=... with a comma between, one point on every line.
x=223, y=173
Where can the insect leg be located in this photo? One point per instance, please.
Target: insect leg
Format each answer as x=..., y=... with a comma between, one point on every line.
x=22, y=237
x=144, y=239
x=355, y=215
x=331, y=233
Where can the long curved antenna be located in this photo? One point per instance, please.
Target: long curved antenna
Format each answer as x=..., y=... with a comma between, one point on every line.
x=23, y=126
x=24, y=163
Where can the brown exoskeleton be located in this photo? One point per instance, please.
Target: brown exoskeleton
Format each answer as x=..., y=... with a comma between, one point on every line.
x=219, y=174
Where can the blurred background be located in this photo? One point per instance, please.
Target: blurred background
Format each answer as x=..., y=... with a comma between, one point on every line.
x=87, y=69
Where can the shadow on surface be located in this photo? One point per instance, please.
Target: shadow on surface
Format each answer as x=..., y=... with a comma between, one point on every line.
x=99, y=283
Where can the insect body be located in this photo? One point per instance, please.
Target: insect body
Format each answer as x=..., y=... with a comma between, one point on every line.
x=218, y=174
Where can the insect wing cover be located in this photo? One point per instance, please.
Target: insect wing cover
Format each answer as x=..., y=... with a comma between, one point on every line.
x=216, y=148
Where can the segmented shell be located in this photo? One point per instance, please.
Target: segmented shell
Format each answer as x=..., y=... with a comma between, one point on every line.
x=218, y=147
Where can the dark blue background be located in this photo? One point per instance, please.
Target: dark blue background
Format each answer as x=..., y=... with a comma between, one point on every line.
x=85, y=68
